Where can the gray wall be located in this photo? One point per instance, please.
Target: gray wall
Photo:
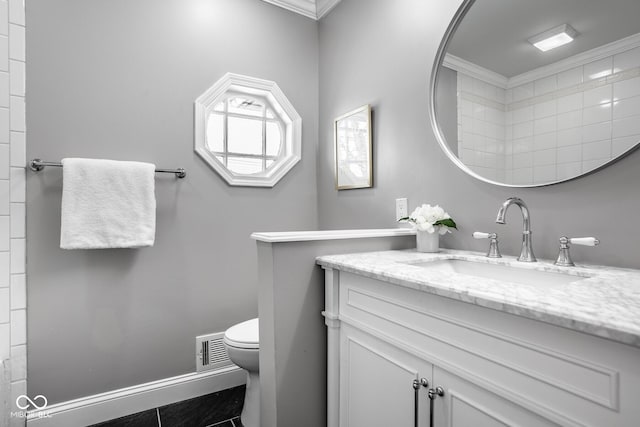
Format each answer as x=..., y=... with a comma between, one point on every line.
x=384, y=57
x=117, y=79
x=293, y=336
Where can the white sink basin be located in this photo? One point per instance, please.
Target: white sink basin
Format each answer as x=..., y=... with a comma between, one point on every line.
x=505, y=273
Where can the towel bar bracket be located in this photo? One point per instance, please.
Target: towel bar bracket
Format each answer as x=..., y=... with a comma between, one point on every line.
x=37, y=165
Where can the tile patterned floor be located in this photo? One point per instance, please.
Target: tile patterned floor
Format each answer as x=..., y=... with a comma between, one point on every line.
x=221, y=409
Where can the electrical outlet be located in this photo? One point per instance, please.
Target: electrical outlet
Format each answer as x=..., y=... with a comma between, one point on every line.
x=402, y=209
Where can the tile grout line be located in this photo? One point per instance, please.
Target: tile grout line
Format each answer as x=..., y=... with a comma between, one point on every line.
x=158, y=414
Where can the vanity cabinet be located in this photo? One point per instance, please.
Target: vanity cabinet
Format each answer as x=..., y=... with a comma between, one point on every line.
x=378, y=385
x=495, y=368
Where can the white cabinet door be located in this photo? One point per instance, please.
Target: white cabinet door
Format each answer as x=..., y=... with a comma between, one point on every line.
x=465, y=404
x=376, y=383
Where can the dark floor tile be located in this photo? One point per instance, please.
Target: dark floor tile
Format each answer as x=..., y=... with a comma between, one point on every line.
x=237, y=422
x=204, y=410
x=141, y=419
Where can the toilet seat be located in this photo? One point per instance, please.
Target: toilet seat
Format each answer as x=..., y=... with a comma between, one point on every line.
x=243, y=335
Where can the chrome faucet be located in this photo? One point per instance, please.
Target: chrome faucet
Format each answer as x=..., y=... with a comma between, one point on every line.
x=526, y=254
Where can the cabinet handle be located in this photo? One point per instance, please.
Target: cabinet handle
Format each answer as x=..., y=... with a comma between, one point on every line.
x=433, y=393
x=417, y=383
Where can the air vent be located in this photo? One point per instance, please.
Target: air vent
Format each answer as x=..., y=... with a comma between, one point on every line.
x=211, y=353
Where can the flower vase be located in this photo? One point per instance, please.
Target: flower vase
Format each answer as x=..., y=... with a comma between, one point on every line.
x=428, y=242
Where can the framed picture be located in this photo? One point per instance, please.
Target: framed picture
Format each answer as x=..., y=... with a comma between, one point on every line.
x=352, y=134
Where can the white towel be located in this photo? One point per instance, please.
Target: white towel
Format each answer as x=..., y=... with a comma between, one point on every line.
x=107, y=204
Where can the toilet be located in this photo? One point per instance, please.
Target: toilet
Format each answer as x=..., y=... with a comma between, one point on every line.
x=242, y=344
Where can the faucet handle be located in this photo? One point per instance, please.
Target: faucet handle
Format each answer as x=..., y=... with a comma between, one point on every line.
x=494, y=251
x=481, y=235
x=564, y=257
x=586, y=241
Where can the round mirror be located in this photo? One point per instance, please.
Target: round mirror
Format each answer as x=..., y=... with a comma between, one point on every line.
x=527, y=93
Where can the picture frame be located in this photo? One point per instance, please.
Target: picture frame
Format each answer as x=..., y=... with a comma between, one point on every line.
x=353, y=149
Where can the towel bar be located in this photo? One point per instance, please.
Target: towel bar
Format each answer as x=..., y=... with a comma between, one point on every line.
x=37, y=165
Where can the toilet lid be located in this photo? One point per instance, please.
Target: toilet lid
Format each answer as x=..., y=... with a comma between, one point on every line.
x=243, y=335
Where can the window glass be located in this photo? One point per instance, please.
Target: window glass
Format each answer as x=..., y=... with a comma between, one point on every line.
x=244, y=136
x=274, y=139
x=246, y=106
x=244, y=165
x=215, y=133
x=247, y=130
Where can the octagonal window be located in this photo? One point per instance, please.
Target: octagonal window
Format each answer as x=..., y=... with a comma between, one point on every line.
x=247, y=131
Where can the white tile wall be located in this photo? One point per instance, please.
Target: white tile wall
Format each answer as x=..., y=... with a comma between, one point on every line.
x=4, y=125
x=5, y=233
x=597, y=150
x=568, y=170
x=18, y=247
x=17, y=42
x=597, y=114
x=598, y=69
x=13, y=284
x=4, y=161
x=596, y=132
x=481, y=124
x=4, y=52
x=626, y=60
x=18, y=362
x=545, y=85
x=18, y=149
x=570, y=103
x=5, y=341
x=570, y=119
x=18, y=327
x=621, y=145
x=570, y=136
x=626, y=107
x=553, y=127
x=5, y=305
x=522, y=92
x=569, y=153
x=627, y=126
x=18, y=292
x=570, y=77
x=4, y=89
x=5, y=265
x=599, y=95
x=545, y=141
x=17, y=12
x=626, y=89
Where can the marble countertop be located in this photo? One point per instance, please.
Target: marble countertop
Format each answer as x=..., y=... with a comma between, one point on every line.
x=603, y=301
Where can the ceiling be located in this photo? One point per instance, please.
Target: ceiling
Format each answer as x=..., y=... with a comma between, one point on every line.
x=314, y=9
x=494, y=33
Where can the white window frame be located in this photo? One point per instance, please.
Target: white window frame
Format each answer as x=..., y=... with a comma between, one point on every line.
x=252, y=87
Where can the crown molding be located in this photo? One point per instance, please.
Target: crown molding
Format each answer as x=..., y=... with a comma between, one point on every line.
x=578, y=60
x=473, y=70
x=314, y=9
x=324, y=6
x=601, y=52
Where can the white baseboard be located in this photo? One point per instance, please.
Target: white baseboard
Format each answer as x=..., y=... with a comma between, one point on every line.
x=118, y=403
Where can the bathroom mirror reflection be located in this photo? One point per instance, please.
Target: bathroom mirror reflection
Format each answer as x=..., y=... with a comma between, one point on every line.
x=353, y=149
x=535, y=92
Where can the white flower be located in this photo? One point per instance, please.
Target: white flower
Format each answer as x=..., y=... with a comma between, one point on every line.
x=424, y=217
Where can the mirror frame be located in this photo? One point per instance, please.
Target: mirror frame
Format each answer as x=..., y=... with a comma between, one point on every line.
x=433, y=115
x=369, y=183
